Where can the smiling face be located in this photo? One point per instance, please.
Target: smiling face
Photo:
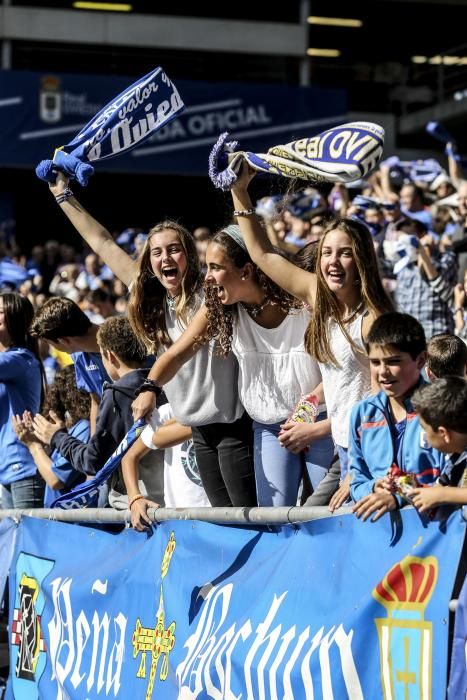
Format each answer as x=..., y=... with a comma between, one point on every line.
x=395, y=371
x=337, y=262
x=225, y=275
x=168, y=259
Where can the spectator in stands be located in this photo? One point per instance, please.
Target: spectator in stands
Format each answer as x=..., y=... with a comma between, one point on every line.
x=447, y=356
x=100, y=304
x=425, y=278
x=442, y=407
x=413, y=205
x=123, y=357
x=345, y=295
x=202, y=235
x=70, y=405
x=21, y=389
x=65, y=327
x=384, y=428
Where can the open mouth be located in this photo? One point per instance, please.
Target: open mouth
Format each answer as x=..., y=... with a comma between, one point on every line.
x=170, y=273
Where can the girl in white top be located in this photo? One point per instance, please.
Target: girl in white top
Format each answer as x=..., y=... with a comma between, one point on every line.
x=166, y=290
x=264, y=327
x=345, y=295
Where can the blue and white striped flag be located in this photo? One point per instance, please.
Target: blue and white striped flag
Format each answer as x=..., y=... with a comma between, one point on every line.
x=342, y=154
x=86, y=495
x=124, y=123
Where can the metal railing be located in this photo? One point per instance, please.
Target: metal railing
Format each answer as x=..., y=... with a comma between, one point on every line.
x=239, y=516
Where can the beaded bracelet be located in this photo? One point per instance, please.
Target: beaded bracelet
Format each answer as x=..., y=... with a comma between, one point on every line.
x=138, y=497
x=244, y=212
x=64, y=196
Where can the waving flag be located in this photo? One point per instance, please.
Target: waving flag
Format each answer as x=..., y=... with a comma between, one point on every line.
x=125, y=122
x=86, y=495
x=342, y=154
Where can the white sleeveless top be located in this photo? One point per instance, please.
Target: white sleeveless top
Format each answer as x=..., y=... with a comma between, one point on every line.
x=274, y=368
x=350, y=382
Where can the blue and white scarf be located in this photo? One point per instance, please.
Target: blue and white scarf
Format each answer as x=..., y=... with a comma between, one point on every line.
x=87, y=495
x=342, y=154
x=127, y=121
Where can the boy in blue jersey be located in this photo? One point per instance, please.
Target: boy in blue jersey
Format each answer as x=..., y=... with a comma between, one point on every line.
x=65, y=327
x=385, y=430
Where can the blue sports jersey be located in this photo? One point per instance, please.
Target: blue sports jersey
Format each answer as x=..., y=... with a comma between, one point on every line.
x=90, y=372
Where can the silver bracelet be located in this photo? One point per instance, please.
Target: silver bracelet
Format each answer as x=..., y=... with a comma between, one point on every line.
x=244, y=212
x=64, y=196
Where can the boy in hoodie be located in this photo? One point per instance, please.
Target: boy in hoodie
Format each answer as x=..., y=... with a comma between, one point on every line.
x=385, y=430
x=123, y=357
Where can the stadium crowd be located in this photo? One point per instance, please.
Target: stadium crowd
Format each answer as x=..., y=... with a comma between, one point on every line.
x=311, y=351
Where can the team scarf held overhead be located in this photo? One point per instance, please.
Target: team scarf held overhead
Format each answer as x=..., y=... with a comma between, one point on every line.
x=87, y=495
x=342, y=154
x=126, y=122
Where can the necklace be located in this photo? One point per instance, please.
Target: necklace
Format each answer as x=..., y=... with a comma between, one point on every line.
x=171, y=301
x=353, y=313
x=255, y=311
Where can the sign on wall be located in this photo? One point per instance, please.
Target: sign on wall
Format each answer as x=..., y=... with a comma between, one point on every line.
x=40, y=112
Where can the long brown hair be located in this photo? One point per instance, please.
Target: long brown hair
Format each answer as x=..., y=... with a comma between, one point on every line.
x=372, y=292
x=146, y=311
x=220, y=317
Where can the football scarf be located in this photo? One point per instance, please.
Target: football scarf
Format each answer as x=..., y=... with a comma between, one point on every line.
x=86, y=495
x=124, y=123
x=342, y=154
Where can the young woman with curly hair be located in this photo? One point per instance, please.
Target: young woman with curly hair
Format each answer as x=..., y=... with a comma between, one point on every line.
x=345, y=295
x=72, y=406
x=165, y=293
x=264, y=327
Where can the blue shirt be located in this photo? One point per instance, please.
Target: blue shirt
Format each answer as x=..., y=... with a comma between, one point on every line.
x=20, y=390
x=90, y=372
x=62, y=468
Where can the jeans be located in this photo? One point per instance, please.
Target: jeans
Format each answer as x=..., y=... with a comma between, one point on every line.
x=24, y=493
x=278, y=471
x=344, y=460
x=224, y=454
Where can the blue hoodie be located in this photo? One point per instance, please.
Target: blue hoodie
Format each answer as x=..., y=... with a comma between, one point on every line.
x=372, y=448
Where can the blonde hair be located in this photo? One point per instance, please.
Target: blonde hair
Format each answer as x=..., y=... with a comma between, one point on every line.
x=372, y=293
x=146, y=311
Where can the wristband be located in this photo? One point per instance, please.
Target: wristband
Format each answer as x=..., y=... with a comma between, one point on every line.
x=459, y=308
x=64, y=196
x=244, y=212
x=148, y=385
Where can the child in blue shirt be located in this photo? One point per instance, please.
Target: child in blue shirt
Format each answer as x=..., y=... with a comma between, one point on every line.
x=442, y=407
x=385, y=430
x=68, y=403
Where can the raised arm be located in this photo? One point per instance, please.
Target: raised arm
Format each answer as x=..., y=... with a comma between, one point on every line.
x=96, y=236
x=293, y=279
x=168, y=364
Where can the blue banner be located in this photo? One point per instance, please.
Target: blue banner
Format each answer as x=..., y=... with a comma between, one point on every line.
x=458, y=675
x=41, y=112
x=334, y=608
